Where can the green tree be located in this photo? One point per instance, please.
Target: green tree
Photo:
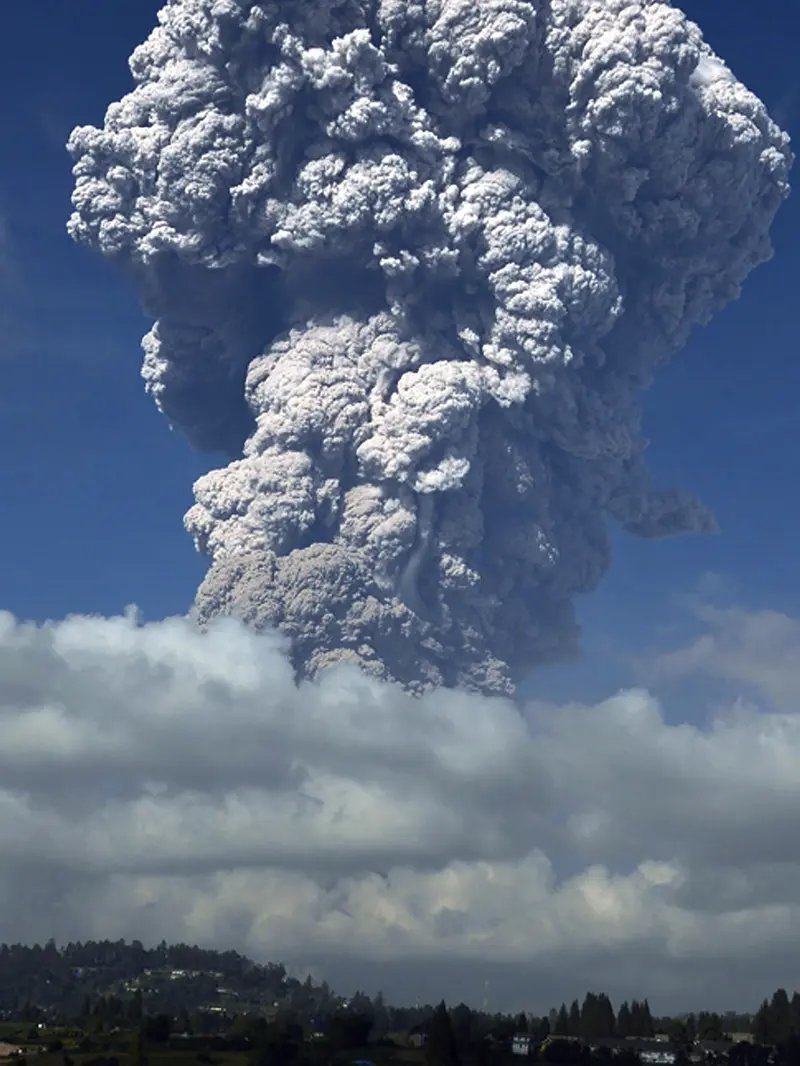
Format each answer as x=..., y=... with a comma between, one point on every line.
x=597, y=1017
x=587, y=1017
x=99, y=1015
x=135, y=1009
x=246, y=1025
x=541, y=1028
x=709, y=1026
x=278, y=1045
x=607, y=1022
x=562, y=1053
x=505, y=1025
x=201, y=1023
x=790, y=1052
x=157, y=1029
x=380, y=1015
x=349, y=1029
x=780, y=1017
x=29, y=1013
x=440, y=1047
x=641, y=1023
x=624, y=1020
x=561, y=1028
x=463, y=1022
x=86, y=1010
x=140, y=1050
x=794, y=1013
x=761, y=1024
x=574, y=1019
x=678, y=1031
x=636, y=1018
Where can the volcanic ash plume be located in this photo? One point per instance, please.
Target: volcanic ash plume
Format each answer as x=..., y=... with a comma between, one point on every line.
x=411, y=264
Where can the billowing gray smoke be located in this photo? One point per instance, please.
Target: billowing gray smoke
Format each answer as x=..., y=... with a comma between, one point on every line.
x=412, y=262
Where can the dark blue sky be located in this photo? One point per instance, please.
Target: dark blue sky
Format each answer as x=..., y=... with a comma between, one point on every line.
x=94, y=485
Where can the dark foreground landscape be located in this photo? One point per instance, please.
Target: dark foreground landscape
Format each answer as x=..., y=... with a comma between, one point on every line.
x=120, y=1004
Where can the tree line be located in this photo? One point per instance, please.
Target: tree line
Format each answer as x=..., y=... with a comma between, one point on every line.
x=84, y=982
x=777, y=1019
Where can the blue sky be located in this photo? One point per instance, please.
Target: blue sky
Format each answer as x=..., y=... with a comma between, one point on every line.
x=95, y=485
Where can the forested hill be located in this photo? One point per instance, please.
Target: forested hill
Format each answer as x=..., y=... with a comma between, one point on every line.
x=118, y=982
x=62, y=978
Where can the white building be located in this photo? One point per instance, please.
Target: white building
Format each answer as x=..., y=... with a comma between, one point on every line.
x=521, y=1044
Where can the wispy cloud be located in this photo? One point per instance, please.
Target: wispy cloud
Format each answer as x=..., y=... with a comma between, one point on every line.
x=759, y=650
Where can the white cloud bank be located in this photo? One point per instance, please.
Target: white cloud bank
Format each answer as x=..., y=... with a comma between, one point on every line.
x=155, y=781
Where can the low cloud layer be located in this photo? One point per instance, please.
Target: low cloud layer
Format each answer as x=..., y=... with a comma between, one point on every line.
x=157, y=781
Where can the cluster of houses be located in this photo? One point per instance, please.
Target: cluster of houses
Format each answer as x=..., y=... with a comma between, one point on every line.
x=656, y=1052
